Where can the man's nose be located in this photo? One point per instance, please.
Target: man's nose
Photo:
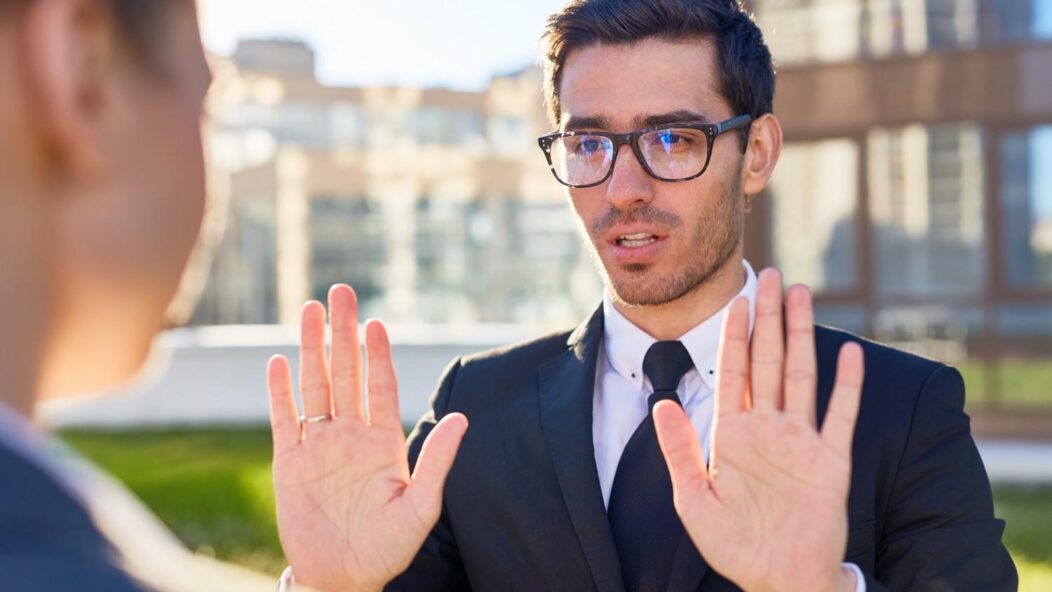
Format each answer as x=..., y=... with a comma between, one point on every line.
x=629, y=184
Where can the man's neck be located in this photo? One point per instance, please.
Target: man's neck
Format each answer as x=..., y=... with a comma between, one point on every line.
x=674, y=319
x=23, y=301
x=19, y=368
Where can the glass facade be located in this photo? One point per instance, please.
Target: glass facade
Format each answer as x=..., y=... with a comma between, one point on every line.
x=926, y=206
x=1026, y=205
x=347, y=245
x=814, y=201
x=802, y=31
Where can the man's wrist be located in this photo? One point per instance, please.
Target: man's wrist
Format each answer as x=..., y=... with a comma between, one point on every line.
x=287, y=583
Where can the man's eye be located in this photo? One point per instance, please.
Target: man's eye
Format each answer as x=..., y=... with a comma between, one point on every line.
x=672, y=138
x=589, y=146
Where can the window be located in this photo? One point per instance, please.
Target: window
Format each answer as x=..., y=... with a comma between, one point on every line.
x=1042, y=19
x=242, y=285
x=814, y=197
x=895, y=26
x=347, y=246
x=951, y=24
x=808, y=30
x=926, y=194
x=1026, y=209
x=1008, y=20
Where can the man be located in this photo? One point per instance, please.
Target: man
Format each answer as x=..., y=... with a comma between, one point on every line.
x=663, y=112
x=101, y=199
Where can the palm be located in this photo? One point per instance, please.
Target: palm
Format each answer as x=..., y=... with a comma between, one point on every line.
x=770, y=511
x=350, y=515
x=779, y=497
x=327, y=500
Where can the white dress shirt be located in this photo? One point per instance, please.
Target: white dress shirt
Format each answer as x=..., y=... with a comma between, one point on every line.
x=621, y=389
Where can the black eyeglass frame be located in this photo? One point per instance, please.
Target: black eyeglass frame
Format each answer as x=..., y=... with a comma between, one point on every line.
x=711, y=131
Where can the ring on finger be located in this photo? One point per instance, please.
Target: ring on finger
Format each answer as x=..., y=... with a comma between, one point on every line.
x=304, y=420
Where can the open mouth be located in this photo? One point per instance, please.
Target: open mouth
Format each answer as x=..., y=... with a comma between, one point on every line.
x=634, y=241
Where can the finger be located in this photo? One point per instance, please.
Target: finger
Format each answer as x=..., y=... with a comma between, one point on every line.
x=838, y=429
x=433, y=465
x=768, y=343
x=284, y=420
x=732, y=367
x=682, y=452
x=800, y=366
x=346, y=351
x=315, y=387
x=380, y=378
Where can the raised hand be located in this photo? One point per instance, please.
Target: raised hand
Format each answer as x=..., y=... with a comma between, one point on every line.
x=349, y=514
x=770, y=511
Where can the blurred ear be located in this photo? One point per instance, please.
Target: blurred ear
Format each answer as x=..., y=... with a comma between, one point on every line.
x=67, y=48
x=761, y=156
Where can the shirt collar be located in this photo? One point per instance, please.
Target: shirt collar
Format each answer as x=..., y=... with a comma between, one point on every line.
x=625, y=345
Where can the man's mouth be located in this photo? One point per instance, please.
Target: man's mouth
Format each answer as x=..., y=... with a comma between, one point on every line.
x=634, y=241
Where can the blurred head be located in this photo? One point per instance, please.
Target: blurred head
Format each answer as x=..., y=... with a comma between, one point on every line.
x=101, y=179
x=624, y=65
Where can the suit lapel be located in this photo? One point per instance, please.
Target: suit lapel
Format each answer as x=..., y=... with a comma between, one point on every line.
x=567, y=384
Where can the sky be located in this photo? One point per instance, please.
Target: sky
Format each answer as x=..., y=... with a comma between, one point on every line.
x=452, y=43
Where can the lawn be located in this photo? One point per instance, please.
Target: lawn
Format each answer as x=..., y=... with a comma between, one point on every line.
x=213, y=489
x=1021, y=384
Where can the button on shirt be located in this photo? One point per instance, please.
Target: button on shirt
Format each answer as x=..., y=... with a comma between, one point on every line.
x=621, y=388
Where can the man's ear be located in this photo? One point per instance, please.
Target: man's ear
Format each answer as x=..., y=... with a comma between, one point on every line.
x=762, y=153
x=67, y=48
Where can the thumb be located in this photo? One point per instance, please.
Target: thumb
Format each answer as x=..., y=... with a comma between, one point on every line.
x=679, y=445
x=433, y=465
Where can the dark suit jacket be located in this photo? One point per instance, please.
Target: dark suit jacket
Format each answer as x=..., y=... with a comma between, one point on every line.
x=48, y=542
x=523, y=508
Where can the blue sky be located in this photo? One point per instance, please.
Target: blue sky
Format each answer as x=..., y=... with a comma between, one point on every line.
x=455, y=43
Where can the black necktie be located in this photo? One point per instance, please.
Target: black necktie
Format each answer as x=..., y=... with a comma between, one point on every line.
x=646, y=529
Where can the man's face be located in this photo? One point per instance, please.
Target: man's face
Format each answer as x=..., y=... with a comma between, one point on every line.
x=656, y=241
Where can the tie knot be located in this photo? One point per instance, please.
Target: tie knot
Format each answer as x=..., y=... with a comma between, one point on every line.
x=665, y=365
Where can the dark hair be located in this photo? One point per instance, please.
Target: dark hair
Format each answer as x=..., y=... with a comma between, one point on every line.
x=138, y=22
x=745, y=71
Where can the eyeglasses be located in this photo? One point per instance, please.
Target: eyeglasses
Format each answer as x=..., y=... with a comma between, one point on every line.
x=673, y=152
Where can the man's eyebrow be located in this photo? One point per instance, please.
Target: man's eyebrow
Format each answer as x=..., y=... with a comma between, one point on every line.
x=678, y=116
x=579, y=122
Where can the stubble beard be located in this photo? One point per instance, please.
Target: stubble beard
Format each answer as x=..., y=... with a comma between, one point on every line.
x=717, y=233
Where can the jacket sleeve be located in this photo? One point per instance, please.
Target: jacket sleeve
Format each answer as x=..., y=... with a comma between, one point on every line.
x=940, y=532
x=437, y=566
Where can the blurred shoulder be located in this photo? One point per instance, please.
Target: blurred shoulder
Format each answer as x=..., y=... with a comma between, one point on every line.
x=47, y=539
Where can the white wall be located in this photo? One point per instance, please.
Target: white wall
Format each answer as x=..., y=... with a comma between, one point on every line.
x=216, y=375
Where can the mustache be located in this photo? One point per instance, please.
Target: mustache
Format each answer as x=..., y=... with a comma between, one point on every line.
x=642, y=214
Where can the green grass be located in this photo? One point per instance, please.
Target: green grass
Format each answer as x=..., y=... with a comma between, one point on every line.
x=213, y=489
x=1021, y=384
x=1028, y=514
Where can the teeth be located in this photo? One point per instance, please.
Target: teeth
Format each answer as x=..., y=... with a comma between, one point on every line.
x=636, y=240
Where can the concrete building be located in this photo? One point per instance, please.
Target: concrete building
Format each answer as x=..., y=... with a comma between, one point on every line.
x=435, y=204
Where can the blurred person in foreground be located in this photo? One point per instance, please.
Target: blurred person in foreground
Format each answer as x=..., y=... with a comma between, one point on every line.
x=788, y=471
x=102, y=192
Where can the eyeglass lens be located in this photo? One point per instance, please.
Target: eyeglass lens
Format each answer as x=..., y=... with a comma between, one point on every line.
x=670, y=154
